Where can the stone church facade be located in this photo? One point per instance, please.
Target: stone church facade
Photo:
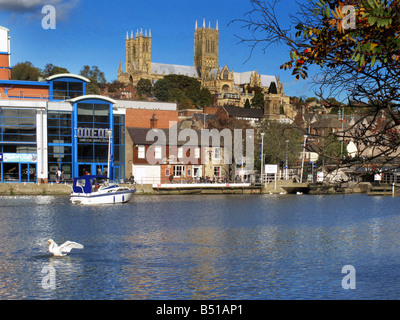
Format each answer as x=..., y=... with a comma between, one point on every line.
x=229, y=87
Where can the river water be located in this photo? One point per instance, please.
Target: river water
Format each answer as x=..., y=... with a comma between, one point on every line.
x=250, y=247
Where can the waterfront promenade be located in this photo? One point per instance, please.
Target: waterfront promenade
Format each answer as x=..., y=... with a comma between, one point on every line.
x=281, y=187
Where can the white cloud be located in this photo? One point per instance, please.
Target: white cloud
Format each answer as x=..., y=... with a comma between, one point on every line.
x=63, y=7
x=24, y=5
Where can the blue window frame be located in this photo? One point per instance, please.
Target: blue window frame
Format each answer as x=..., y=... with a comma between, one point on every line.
x=119, y=145
x=59, y=129
x=64, y=87
x=18, y=125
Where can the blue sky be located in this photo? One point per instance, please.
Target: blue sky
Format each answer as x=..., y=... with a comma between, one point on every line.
x=92, y=32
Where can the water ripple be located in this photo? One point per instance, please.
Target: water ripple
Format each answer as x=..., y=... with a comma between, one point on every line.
x=205, y=247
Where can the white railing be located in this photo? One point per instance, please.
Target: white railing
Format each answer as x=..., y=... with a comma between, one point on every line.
x=21, y=96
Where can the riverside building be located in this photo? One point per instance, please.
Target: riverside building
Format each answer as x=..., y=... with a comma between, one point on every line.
x=53, y=125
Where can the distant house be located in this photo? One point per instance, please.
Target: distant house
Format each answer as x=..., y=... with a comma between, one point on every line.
x=252, y=115
x=162, y=155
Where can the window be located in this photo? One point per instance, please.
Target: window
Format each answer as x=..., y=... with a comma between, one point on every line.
x=196, y=153
x=141, y=152
x=217, y=171
x=63, y=90
x=180, y=153
x=217, y=153
x=196, y=172
x=179, y=171
x=18, y=125
x=157, y=152
x=59, y=127
x=93, y=113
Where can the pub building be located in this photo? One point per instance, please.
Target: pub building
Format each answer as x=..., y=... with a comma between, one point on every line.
x=53, y=125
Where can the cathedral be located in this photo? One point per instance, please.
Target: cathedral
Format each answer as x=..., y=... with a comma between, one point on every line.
x=230, y=88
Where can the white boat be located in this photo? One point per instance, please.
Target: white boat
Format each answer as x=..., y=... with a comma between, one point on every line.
x=96, y=189
x=91, y=189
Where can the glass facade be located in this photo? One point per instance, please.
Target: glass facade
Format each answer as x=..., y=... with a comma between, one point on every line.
x=119, y=146
x=59, y=130
x=77, y=140
x=18, y=145
x=94, y=120
x=93, y=115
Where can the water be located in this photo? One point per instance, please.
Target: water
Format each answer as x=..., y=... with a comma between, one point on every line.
x=202, y=247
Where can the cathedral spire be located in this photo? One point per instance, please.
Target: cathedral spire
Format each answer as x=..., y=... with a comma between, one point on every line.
x=216, y=26
x=195, y=27
x=127, y=35
x=204, y=23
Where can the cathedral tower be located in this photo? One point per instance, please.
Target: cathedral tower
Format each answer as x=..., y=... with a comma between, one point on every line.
x=138, y=53
x=206, y=49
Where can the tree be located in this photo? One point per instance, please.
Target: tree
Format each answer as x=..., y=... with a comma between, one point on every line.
x=144, y=87
x=186, y=104
x=275, y=146
x=258, y=100
x=247, y=104
x=312, y=99
x=176, y=88
x=355, y=49
x=175, y=95
x=50, y=70
x=96, y=77
x=115, y=86
x=160, y=90
x=205, y=98
x=25, y=71
x=332, y=150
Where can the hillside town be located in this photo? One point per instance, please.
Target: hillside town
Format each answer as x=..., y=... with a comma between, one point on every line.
x=51, y=126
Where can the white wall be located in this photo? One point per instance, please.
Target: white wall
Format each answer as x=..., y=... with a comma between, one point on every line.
x=4, y=43
x=146, y=174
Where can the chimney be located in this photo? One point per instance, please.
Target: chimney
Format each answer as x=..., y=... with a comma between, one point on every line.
x=153, y=121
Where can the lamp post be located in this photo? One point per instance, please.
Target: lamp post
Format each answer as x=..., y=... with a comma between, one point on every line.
x=302, y=161
x=262, y=156
x=286, y=160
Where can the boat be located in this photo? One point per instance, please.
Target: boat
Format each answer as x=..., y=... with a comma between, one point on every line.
x=96, y=189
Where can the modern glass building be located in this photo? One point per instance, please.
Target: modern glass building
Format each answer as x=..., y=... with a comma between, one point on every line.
x=53, y=125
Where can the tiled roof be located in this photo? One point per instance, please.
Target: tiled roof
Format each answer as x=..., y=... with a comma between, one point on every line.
x=244, y=112
x=162, y=68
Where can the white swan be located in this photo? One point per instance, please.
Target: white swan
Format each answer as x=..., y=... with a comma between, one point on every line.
x=62, y=250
